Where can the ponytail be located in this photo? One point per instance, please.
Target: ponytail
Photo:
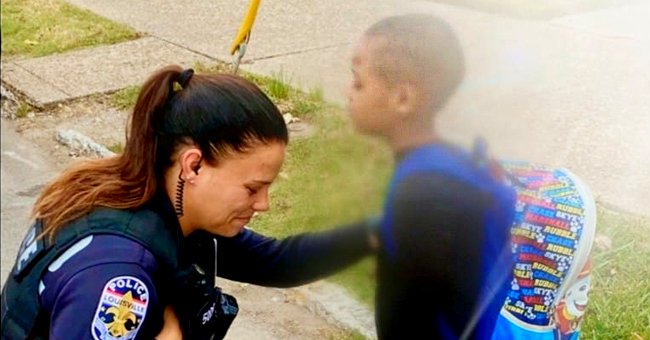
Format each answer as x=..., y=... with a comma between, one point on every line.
x=125, y=181
x=217, y=113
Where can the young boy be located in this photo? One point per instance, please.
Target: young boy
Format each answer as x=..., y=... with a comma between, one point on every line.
x=444, y=260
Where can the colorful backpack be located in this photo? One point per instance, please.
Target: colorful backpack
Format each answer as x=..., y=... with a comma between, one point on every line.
x=552, y=235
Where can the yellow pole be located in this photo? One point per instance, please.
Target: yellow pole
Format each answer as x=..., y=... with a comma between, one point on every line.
x=244, y=33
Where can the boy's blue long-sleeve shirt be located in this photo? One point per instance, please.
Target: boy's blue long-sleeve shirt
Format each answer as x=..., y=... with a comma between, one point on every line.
x=430, y=281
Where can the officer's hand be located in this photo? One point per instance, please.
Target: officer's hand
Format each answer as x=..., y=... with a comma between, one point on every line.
x=172, y=328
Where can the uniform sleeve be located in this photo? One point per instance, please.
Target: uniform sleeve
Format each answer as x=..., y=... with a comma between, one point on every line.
x=115, y=299
x=254, y=258
x=101, y=291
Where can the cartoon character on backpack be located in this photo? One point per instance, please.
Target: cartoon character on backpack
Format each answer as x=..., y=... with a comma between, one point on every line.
x=571, y=308
x=552, y=235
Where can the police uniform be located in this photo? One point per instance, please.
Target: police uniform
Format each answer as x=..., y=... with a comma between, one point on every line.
x=109, y=274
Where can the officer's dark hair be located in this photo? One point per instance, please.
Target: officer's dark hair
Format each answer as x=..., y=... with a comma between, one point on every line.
x=218, y=113
x=418, y=48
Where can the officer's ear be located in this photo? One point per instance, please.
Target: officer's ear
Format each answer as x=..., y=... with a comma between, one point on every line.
x=190, y=162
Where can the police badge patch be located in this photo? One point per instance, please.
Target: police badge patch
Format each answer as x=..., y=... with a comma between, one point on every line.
x=121, y=310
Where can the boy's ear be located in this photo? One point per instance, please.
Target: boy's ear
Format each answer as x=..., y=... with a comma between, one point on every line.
x=405, y=99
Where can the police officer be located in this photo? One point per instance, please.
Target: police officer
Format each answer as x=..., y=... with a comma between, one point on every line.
x=116, y=240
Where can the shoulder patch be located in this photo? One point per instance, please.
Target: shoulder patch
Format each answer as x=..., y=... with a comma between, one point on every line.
x=121, y=309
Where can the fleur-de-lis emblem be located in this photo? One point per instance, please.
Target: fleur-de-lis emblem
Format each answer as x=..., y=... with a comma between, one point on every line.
x=121, y=315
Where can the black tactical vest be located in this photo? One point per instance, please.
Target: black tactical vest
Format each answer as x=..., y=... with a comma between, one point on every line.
x=20, y=307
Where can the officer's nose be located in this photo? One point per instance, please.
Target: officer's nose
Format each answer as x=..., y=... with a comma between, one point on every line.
x=262, y=201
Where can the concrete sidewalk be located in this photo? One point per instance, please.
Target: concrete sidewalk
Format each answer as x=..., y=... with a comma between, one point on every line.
x=25, y=170
x=568, y=92
x=48, y=80
x=306, y=40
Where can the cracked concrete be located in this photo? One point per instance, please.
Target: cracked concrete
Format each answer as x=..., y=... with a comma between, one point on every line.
x=51, y=79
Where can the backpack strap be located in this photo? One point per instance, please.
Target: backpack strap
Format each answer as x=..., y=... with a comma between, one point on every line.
x=476, y=170
x=472, y=169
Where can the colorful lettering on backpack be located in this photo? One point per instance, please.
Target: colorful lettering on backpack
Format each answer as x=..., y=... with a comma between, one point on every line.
x=551, y=236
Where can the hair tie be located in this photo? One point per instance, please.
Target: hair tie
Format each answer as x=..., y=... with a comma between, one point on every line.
x=183, y=79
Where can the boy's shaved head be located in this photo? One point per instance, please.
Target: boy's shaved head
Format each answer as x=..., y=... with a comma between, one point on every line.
x=421, y=49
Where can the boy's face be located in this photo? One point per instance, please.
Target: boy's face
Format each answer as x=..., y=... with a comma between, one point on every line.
x=369, y=96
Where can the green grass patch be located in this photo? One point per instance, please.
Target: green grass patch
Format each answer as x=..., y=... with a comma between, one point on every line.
x=349, y=335
x=619, y=302
x=312, y=102
x=302, y=108
x=279, y=86
x=286, y=97
x=536, y=10
x=37, y=28
x=334, y=177
x=116, y=147
x=125, y=98
x=24, y=109
x=316, y=94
